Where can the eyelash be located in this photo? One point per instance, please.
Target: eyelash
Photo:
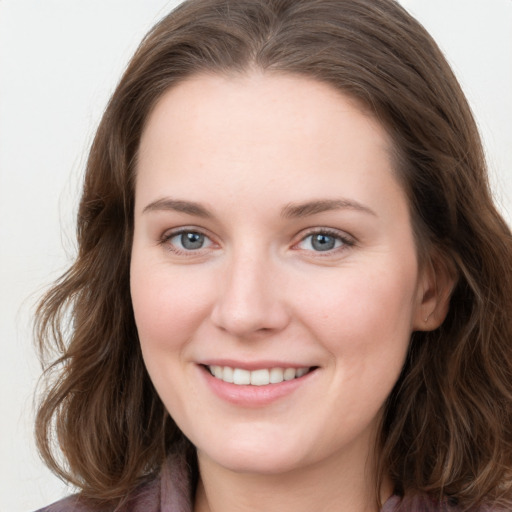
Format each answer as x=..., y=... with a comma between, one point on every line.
x=346, y=241
x=168, y=236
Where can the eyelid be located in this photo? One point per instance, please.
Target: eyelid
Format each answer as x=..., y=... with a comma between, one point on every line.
x=169, y=234
x=346, y=240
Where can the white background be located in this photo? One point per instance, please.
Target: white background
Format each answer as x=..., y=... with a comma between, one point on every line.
x=59, y=62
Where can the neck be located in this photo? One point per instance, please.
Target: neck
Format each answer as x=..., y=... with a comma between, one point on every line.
x=330, y=486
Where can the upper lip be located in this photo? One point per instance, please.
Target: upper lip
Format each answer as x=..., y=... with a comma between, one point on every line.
x=254, y=365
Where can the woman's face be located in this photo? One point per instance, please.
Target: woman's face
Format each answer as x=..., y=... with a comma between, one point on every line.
x=274, y=275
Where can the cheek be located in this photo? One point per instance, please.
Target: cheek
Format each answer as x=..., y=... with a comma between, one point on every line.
x=168, y=306
x=367, y=311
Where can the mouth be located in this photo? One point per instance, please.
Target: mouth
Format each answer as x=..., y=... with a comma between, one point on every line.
x=260, y=377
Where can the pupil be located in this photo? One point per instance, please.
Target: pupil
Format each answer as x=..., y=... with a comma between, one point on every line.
x=192, y=240
x=323, y=242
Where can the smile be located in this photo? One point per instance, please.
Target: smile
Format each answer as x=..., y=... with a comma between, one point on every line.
x=261, y=377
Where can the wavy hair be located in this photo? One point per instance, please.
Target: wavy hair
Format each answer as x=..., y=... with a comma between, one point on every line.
x=447, y=427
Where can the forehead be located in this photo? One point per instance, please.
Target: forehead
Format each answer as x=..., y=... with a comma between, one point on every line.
x=263, y=132
x=251, y=101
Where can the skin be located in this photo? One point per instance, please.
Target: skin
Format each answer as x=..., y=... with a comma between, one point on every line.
x=246, y=150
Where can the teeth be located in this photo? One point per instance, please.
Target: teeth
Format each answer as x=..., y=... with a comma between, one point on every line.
x=301, y=372
x=217, y=371
x=240, y=376
x=227, y=374
x=276, y=375
x=289, y=373
x=261, y=377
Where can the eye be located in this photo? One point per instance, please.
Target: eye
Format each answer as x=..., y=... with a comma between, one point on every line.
x=324, y=241
x=187, y=241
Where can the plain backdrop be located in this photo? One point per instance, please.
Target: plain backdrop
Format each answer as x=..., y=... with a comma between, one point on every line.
x=59, y=62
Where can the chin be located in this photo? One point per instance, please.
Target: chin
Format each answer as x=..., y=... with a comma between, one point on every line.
x=251, y=457
x=260, y=465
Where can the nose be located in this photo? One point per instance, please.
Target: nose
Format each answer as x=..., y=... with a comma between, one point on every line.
x=250, y=300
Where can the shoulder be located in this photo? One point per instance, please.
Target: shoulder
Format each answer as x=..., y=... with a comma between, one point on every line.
x=69, y=504
x=172, y=487
x=423, y=503
x=146, y=498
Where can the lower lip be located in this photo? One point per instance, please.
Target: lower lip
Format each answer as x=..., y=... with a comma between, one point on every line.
x=253, y=396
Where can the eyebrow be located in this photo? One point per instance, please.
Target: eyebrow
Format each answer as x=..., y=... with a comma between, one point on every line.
x=299, y=210
x=290, y=211
x=176, y=205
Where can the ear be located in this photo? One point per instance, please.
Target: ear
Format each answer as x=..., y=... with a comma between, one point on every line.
x=435, y=286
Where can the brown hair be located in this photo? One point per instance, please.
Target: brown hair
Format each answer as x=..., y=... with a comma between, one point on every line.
x=447, y=429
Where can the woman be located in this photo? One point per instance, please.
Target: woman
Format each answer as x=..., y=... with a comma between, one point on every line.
x=292, y=287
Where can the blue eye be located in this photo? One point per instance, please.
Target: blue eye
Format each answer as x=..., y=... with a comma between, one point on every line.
x=323, y=241
x=188, y=241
